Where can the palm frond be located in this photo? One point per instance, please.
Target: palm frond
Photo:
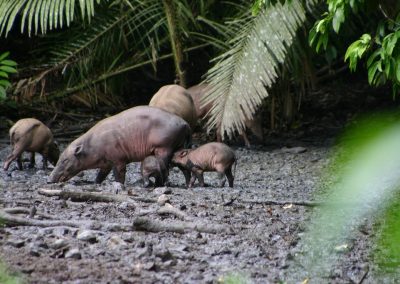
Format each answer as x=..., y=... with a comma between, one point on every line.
x=240, y=76
x=42, y=14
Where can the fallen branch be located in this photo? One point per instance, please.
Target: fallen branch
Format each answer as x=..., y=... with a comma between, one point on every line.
x=139, y=224
x=12, y=221
x=169, y=209
x=80, y=196
x=279, y=202
x=151, y=225
x=23, y=210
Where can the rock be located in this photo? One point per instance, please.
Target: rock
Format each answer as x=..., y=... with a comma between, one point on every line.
x=126, y=206
x=164, y=254
x=294, y=150
x=73, y=253
x=117, y=187
x=87, y=235
x=162, y=190
x=16, y=243
x=34, y=250
x=115, y=242
x=61, y=231
x=162, y=199
x=60, y=243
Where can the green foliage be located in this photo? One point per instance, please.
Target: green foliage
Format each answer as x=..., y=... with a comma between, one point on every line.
x=42, y=14
x=387, y=252
x=366, y=181
x=357, y=49
x=380, y=46
x=7, y=278
x=234, y=278
x=7, y=67
x=123, y=35
x=240, y=76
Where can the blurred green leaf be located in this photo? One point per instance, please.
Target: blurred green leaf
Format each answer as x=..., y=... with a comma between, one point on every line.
x=4, y=55
x=3, y=74
x=8, y=62
x=2, y=93
x=5, y=83
x=8, y=69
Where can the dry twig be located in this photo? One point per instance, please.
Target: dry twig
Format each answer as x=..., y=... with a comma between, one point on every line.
x=281, y=203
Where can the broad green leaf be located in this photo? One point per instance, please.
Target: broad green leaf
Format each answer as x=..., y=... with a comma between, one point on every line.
x=373, y=56
x=3, y=74
x=3, y=94
x=5, y=83
x=389, y=42
x=312, y=36
x=8, y=69
x=387, y=68
x=338, y=19
x=398, y=72
x=372, y=71
x=8, y=62
x=366, y=39
x=4, y=55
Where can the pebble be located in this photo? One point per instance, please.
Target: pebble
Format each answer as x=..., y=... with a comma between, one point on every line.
x=115, y=242
x=16, y=243
x=60, y=243
x=87, y=235
x=162, y=199
x=162, y=190
x=294, y=150
x=117, y=187
x=73, y=253
x=34, y=250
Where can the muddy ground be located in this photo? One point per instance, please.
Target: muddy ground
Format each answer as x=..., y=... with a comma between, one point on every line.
x=251, y=240
x=257, y=245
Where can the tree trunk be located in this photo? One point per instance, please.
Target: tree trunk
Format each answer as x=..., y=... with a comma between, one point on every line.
x=176, y=45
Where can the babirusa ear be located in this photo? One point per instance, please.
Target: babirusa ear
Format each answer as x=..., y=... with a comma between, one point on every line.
x=183, y=153
x=78, y=150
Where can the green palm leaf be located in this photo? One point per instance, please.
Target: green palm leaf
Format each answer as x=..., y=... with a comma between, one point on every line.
x=239, y=78
x=41, y=14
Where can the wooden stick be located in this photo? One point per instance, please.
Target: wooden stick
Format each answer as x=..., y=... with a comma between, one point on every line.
x=80, y=196
x=139, y=224
x=11, y=221
x=24, y=210
x=280, y=202
x=152, y=225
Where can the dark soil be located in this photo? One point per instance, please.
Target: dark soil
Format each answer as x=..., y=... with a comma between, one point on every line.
x=256, y=243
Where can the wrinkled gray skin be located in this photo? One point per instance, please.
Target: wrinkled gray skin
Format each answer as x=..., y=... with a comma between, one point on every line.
x=154, y=167
x=29, y=134
x=129, y=136
x=254, y=124
x=214, y=156
x=175, y=99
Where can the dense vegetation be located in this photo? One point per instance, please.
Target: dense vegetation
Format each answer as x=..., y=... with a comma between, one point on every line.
x=113, y=53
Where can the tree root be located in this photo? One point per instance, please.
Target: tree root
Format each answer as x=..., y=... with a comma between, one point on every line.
x=280, y=202
x=151, y=225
